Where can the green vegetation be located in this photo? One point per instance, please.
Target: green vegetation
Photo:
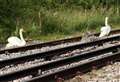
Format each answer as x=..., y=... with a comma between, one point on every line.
x=53, y=19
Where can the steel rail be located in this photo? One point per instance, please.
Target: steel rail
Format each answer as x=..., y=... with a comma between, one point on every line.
x=58, y=51
x=50, y=43
x=53, y=64
x=71, y=71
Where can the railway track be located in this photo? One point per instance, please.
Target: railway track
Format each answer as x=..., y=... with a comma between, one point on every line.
x=32, y=49
x=78, y=68
x=47, y=55
x=57, y=58
x=49, y=44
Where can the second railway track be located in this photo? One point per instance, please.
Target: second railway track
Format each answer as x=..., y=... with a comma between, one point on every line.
x=50, y=44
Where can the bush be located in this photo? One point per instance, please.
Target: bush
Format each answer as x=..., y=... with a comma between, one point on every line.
x=56, y=16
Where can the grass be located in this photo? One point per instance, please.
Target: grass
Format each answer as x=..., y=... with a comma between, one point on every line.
x=61, y=23
x=57, y=24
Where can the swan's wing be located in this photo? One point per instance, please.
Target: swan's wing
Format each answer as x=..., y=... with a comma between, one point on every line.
x=9, y=45
x=14, y=40
x=103, y=29
x=108, y=29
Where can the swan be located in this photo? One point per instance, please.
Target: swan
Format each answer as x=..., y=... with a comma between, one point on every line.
x=105, y=30
x=15, y=41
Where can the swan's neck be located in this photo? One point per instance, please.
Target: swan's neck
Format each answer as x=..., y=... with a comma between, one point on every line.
x=21, y=36
x=106, y=22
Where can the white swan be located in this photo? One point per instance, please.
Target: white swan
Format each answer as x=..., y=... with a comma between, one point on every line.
x=15, y=41
x=106, y=29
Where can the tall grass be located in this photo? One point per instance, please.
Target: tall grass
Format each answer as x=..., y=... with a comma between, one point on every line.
x=70, y=21
x=41, y=18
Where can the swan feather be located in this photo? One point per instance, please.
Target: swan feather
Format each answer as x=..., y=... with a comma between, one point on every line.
x=14, y=40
